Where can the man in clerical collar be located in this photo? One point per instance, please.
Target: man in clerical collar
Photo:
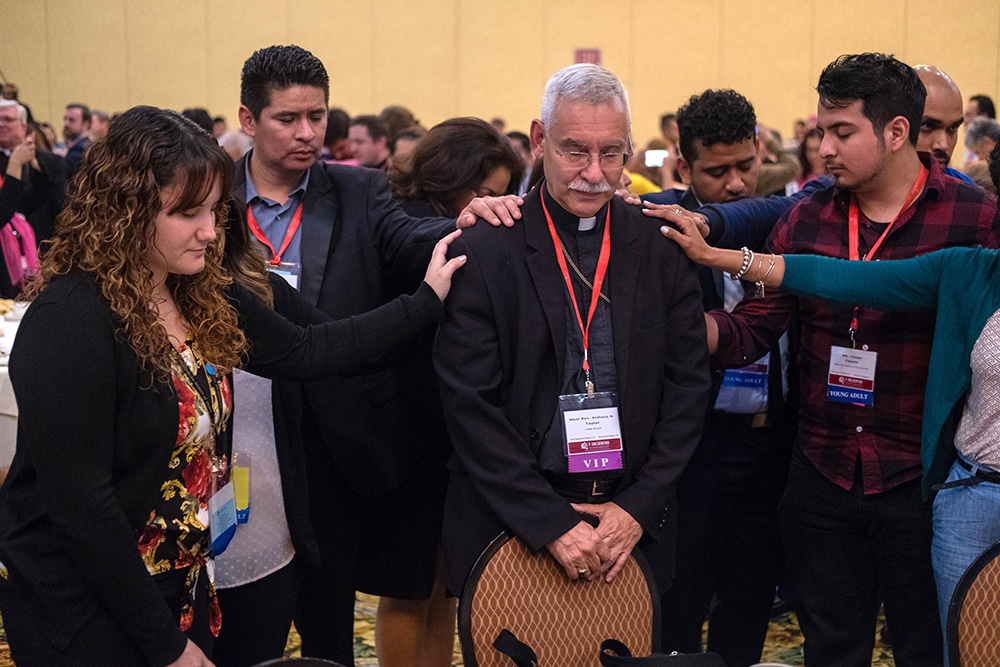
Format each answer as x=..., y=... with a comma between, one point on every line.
x=572, y=373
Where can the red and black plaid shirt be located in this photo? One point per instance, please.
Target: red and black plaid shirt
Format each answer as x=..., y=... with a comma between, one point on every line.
x=834, y=436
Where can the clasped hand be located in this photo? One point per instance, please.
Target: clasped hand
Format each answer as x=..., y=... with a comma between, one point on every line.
x=587, y=552
x=23, y=153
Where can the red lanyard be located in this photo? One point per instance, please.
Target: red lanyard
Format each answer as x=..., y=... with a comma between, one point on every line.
x=259, y=233
x=854, y=232
x=602, y=269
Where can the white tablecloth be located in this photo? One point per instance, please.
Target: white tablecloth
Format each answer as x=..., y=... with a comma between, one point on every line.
x=8, y=404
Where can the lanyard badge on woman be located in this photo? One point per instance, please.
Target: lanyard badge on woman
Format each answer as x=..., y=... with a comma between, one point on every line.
x=852, y=371
x=592, y=436
x=222, y=503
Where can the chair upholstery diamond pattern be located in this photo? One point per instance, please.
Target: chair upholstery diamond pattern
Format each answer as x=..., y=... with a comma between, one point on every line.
x=564, y=621
x=974, y=614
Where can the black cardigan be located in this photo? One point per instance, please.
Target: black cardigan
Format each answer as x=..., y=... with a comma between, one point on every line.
x=93, y=444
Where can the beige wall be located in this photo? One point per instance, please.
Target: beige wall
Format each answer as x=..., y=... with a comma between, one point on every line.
x=445, y=58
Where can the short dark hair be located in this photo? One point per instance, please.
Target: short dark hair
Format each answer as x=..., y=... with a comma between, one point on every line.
x=397, y=118
x=337, y=125
x=715, y=117
x=666, y=118
x=985, y=104
x=413, y=133
x=453, y=158
x=199, y=117
x=521, y=138
x=84, y=110
x=376, y=128
x=886, y=87
x=279, y=68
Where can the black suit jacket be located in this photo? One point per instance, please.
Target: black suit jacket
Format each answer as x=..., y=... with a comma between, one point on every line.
x=94, y=441
x=38, y=195
x=353, y=237
x=500, y=356
x=74, y=155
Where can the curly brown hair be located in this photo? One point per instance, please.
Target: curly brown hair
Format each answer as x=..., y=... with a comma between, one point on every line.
x=244, y=262
x=107, y=231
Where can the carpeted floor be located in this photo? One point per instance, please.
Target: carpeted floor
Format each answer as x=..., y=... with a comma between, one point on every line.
x=783, y=645
x=784, y=641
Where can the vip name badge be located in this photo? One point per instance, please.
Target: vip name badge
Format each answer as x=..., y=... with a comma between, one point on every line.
x=593, y=435
x=852, y=376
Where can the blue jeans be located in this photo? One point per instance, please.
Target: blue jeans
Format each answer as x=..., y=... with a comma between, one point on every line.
x=966, y=523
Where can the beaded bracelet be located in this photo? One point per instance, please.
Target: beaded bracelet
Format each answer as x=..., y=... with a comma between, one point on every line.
x=747, y=263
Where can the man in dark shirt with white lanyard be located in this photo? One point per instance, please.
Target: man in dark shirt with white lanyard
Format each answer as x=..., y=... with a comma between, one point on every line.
x=855, y=527
x=727, y=535
x=579, y=383
x=334, y=232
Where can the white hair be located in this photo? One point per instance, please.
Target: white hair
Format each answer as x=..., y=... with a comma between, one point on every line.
x=587, y=83
x=22, y=113
x=980, y=128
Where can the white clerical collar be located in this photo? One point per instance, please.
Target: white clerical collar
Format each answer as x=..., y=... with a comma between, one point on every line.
x=586, y=224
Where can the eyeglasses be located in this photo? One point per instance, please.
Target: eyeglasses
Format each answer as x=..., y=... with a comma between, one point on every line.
x=580, y=160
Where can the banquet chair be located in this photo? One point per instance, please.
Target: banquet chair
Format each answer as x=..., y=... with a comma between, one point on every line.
x=563, y=621
x=973, y=625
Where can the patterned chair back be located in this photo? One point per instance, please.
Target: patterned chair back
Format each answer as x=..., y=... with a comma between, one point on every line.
x=974, y=614
x=564, y=621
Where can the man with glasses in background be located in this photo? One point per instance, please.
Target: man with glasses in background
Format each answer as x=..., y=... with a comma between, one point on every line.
x=578, y=382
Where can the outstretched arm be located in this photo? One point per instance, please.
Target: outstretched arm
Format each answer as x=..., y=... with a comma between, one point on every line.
x=756, y=267
x=280, y=349
x=907, y=284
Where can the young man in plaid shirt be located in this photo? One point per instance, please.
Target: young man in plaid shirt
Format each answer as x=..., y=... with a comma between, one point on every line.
x=856, y=529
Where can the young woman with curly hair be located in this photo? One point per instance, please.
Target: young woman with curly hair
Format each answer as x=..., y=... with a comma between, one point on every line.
x=120, y=368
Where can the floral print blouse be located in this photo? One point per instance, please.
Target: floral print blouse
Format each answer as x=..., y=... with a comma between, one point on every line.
x=177, y=535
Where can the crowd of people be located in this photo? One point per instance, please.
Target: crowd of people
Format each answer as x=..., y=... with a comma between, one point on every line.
x=271, y=366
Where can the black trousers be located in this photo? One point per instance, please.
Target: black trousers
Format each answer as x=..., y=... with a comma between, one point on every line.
x=256, y=618
x=846, y=553
x=325, y=613
x=728, y=544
